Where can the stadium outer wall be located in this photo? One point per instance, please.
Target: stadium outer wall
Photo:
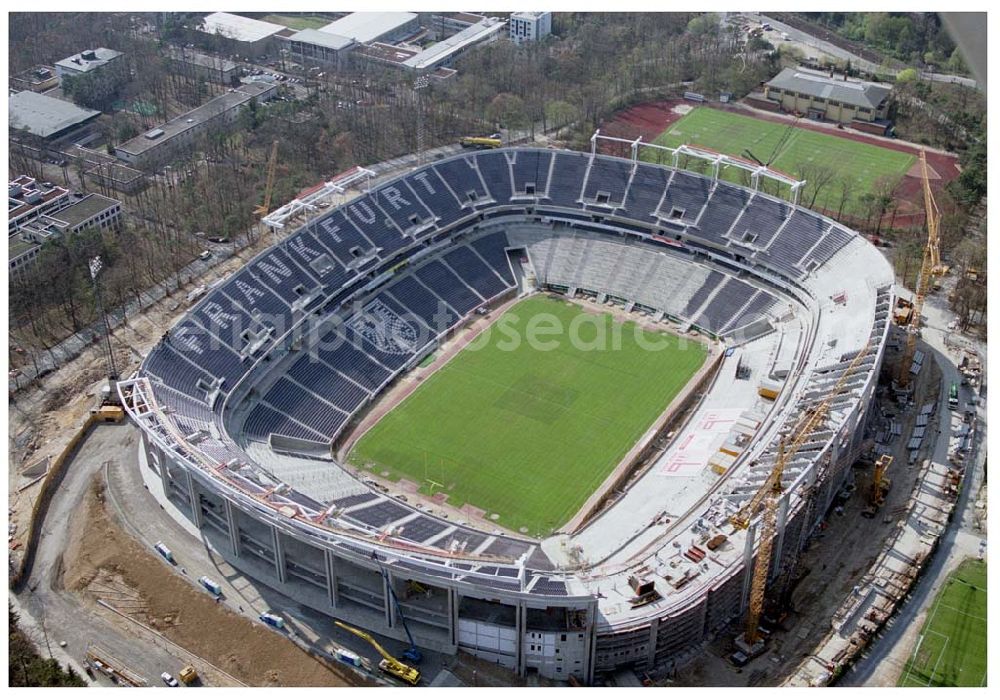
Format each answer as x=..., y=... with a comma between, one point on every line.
x=556, y=635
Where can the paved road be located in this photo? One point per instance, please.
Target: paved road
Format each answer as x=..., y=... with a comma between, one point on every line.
x=857, y=61
x=46, y=608
x=149, y=522
x=882, y=662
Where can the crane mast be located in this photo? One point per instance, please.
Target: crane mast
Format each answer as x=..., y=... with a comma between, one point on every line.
x=263, y=209
x=930, y=265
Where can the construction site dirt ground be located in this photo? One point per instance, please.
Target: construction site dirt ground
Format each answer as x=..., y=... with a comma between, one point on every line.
x=830, y=567
x=102, y=562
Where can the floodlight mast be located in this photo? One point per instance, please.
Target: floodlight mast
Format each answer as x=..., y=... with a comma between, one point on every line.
x=96, y=265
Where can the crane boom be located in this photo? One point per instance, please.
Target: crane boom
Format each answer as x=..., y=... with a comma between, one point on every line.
x=390, y=664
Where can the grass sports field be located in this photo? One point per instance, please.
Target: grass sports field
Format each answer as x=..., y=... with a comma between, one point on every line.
x=298, y=22
x=527, y=432
x=731, y=133
x=951, y=651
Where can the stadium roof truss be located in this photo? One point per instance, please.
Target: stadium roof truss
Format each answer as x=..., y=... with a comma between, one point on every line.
x=717, y=160
x=309, y=202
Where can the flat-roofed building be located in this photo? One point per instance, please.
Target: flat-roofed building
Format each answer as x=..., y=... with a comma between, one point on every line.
x=444, y=24
x=215, y=69
x=92, y=211
x=365, y=27
x=88, y=61
x=863, y=105
x=313, y=45
x=529, y=26
x=27, y=200
x=171, y=139
x=240, y=35
x=442, y=53
x=37, y=79
x=46, y=117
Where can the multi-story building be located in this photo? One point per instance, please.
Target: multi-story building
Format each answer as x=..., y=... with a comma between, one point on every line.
x=215, y=69
x=315, y=46
x=88, y=61
x=46, y=118
x=822, y=96
x=92, y=211
x=529, y=26
x=235, y=34
x=27, y=200
x=176, y=136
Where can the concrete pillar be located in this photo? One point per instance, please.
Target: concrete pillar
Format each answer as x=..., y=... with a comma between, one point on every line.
x=654, y=627
x=331, y=578
x=155, y=455
x=520, y=629
x=234, y=529
x=591, y=634
x=193, y=500
x=454, y=599
x=279, y=555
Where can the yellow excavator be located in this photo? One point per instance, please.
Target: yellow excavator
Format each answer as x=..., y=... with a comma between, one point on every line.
x=389, y=664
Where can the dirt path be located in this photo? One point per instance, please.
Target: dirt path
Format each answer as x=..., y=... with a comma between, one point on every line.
x=101, y=561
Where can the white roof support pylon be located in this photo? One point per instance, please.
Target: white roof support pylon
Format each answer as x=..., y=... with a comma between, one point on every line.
x=277, y=218
x=717, y=160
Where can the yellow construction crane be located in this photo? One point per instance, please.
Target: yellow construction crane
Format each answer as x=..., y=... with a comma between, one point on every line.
x=930, y=265
x=389, y=664
x=769, y=495
x=263, y=209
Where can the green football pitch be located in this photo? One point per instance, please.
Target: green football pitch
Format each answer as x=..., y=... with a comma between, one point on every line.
x=861, y=164
x=528, y=430
x=298, y=22
x=951, y=650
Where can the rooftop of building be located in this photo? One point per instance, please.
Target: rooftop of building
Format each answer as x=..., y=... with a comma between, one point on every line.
x=18, y=203
x=386, y=52
x=238, y=27
x=88, y=59
x=37, y=75
x=528, y=15
x=82, y=210
x=444, y=49
x=16, y=247
x=196, y=116
x=204, y=60
x=44, y=116
x=852, y=92
x=322, y=38
x=368, y=26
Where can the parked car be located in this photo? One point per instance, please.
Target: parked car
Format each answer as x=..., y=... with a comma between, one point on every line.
x=168, y=679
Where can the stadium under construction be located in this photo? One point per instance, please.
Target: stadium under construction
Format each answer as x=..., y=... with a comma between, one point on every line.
x=242, y=403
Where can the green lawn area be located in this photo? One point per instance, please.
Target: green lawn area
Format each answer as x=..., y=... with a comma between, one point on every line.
x=530, y=432
x=951, y=651
x=860, y=163
x=298, y=22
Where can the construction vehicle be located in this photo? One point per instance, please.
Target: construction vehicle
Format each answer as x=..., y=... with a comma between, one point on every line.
x=412, y=654
x=188, y=675
x=389, y=664
x=769, y=496
x=481, y=141
x=101, y=661
x=264, y=208
x=930, y=265
x=880, y=486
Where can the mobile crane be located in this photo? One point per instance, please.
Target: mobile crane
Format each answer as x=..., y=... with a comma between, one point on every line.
x=412, y=654
x=389, y=664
